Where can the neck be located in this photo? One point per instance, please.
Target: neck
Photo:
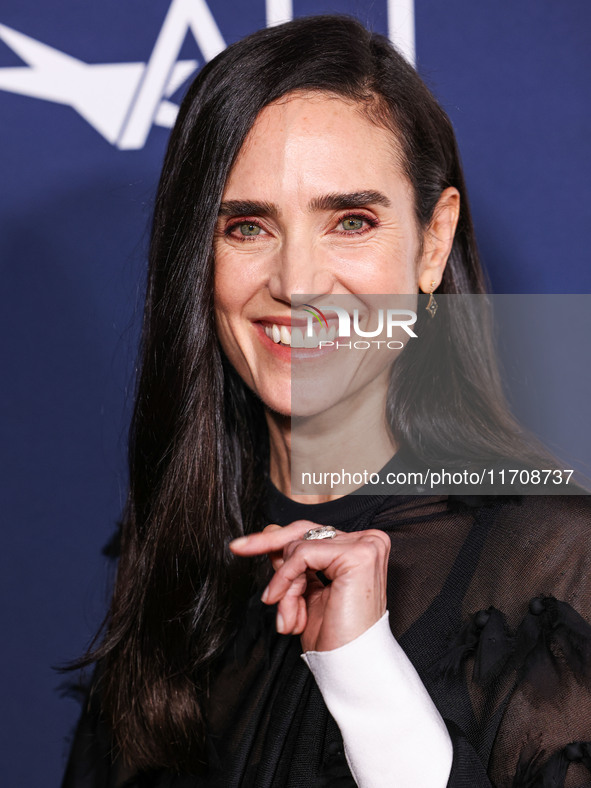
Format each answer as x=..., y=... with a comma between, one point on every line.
x=352, y=435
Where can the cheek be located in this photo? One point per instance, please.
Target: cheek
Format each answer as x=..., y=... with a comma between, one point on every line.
x=233, y=293
x=229, y=287
x=226, y=310
x=226, y=300
x=225, y=297
x=385, y=266
x=237, y=276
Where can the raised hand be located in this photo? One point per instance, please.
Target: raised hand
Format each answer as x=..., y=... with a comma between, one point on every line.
x=326, y=616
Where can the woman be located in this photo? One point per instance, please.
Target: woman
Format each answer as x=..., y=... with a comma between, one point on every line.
x=447, y=636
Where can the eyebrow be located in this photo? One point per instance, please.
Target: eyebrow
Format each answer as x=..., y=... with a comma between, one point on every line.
x=328, y=202
x=247, y=207
x=336, y=202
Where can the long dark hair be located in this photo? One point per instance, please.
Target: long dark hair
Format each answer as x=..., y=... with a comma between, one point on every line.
x=198, y=444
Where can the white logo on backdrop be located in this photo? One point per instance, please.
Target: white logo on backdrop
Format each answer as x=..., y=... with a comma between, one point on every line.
x=122, y=101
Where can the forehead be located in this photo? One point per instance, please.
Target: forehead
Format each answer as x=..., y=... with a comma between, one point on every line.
x=305, y=139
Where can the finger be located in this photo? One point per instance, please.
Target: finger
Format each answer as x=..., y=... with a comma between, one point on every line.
x=288, y=607
x=271, y=538
x=276, y=557
x=381, y=537
x=333, y=558
x=271, y=527
x=285, y=617
x=302, y=617
x=301, y=558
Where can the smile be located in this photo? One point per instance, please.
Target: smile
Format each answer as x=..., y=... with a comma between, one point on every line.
x=294, y=336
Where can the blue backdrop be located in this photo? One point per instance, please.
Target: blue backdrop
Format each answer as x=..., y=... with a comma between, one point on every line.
x=87, y=95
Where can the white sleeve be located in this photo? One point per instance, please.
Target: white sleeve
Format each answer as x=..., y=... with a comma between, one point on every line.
x=386, y=716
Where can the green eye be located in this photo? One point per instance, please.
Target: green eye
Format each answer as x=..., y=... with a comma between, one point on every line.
x=249, y=229
x=352, y=223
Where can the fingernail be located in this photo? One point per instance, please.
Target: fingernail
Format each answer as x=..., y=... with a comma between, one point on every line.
x=280, y=623
x=265, y=595
x=239, y=542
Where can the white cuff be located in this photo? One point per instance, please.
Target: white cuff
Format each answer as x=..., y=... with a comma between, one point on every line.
x=392, y=731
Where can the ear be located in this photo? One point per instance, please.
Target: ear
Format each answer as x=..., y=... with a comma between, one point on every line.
x=438, y=239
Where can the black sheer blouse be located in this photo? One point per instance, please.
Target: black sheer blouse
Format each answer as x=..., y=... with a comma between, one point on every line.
x=491, y=600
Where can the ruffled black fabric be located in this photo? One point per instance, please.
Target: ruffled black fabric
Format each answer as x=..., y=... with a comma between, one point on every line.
x=552, y=629
x=550, y=632
x=491, y=601
x=538, y=772
x=551, y=638
x=487, y=638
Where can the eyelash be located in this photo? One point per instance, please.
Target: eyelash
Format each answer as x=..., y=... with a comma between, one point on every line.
x=368, y=219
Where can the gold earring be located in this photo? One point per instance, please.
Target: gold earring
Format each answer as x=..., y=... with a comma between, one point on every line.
x=432, y=303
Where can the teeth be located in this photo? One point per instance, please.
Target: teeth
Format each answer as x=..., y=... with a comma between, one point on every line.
x=279, y=334
x=310, y=342
x=296, y=337
x=285, y=335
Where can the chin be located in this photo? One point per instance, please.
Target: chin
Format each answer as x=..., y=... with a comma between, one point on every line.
x=275, y=400
x=278, y=411
x=301, y=399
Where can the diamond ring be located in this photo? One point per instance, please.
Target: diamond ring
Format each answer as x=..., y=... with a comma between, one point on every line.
x=323, y=532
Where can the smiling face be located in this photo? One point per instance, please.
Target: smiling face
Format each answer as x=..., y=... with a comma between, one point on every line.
x=316, y=203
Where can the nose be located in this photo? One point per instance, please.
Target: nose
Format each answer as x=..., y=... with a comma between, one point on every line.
x=299, y=268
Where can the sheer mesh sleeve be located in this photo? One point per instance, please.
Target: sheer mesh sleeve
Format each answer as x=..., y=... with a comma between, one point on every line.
x=494, y=605
x=543, y=585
